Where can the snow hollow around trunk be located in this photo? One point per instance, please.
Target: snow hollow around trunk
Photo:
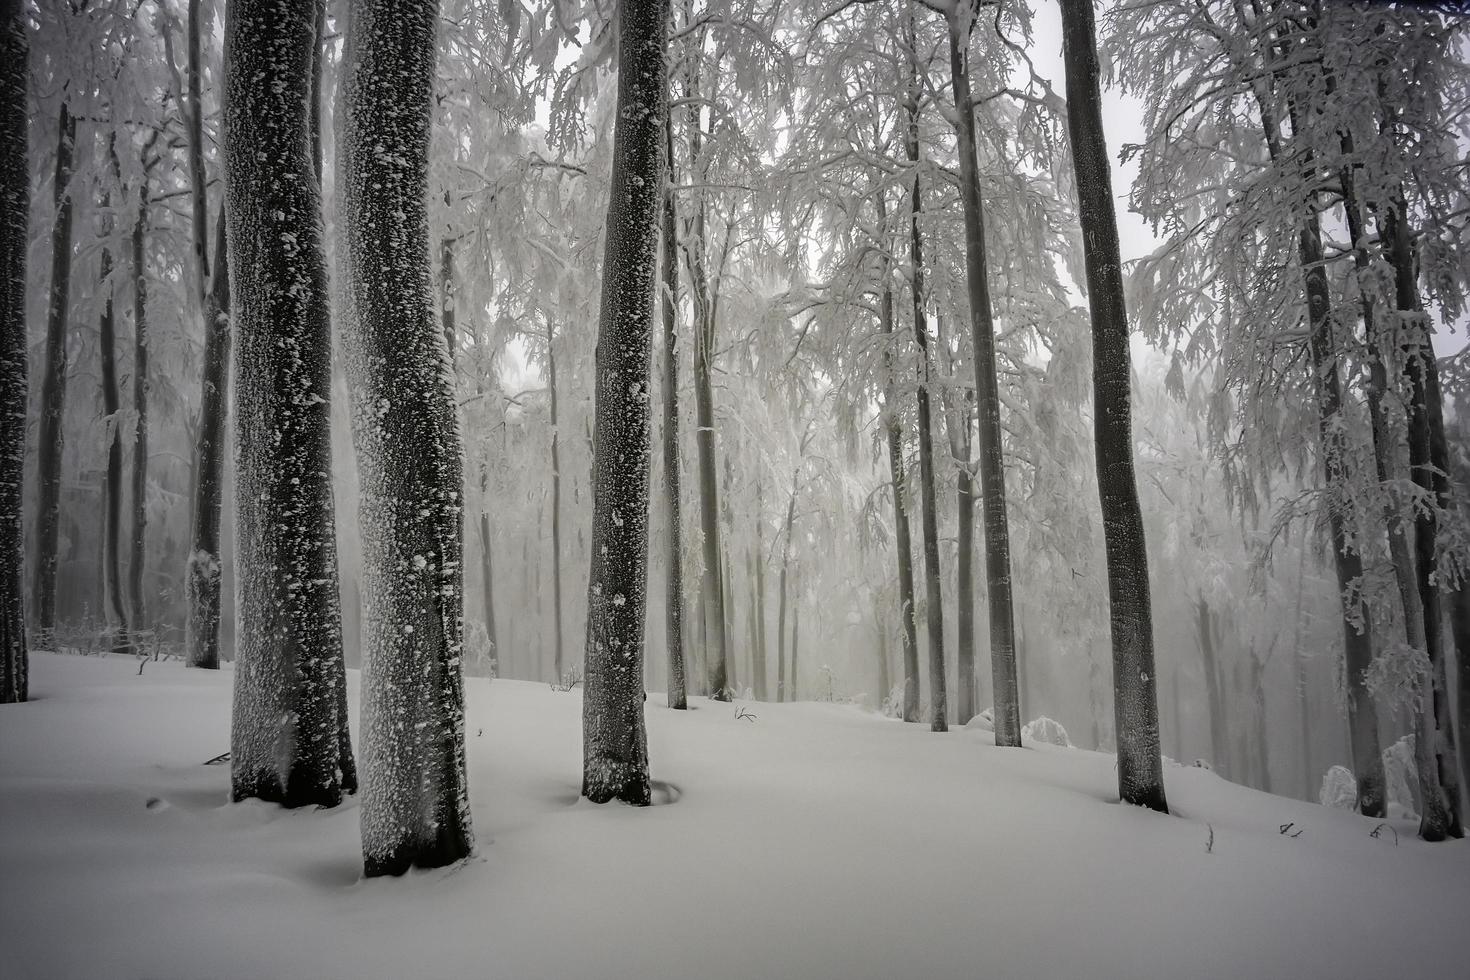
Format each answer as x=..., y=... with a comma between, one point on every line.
x=844, y=845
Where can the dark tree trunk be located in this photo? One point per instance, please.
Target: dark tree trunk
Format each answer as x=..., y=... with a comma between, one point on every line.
x=1007, y=709
x=288, y=730
x=112, y=578
x=614, y=739
x=53, y=385
x=204, y=572
x=929, y=521
x=1135, y=699
x=137, y=609
x=415, y=801
x=893, y=435
x=678, y=694
x=15, y=197
x=784, y=677
x=557, y=659
x=709, y=519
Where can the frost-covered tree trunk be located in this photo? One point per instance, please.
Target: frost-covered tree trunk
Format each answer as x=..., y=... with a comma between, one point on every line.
x=758, y=560
x=795, y=632
x=1007, y=709
x=674, y=556
x=893, y=436
x=929, y=520
x=415, y=801
x=137, y=609
x=288, y=729
x=112, y=494
x=614, y=740
x=1135, y=699
x=53, y=384
x=15, y=199
x=203, y=573
x=784, y=677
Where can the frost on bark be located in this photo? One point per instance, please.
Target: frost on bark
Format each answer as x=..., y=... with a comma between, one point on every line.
x=415, y=800
x=674, y=575
x=14, y=211
x=53, y=384
x=203, y=571
x=614, y=741
x=991, y=465
x=1135, y=699
x=288, y=740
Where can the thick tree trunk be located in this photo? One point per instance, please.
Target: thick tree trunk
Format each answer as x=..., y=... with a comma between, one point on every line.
x=53, y=386
x=415, y=801
x=1007, y=710
x=678, y=695
x=966, y=707
x=929, y=522
x=288, y=730
x=15, y=197
x=557, y=659
x=893, y=435
x=141, y=383
x=204, y=571
x=614, y=739
x=783, y=676
x=1429, y=467
x=1135, y=700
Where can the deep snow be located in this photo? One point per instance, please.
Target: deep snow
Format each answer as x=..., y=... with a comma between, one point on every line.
x=818, y=840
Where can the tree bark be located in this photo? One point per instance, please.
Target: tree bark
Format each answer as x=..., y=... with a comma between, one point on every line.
x=112, y=577
x=678, y=695
x=137, y=608
x=204, y=572
x=15, y=199
x=415, y=805
x=614, y=739
x=53, y=385
x=557, y=659
x=709, y=520
x=1208, y=632
x=758, y=560
x=288, y=730
x=1007, y=709
x=783, y=677
x=1135, y=699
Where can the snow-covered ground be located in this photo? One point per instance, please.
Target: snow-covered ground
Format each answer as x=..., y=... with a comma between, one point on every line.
x=814, y=841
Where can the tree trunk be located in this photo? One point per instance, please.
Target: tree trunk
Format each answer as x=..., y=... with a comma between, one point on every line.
x=1207, y=630
x=15, y=198
x=557, y=659
x=929, y=522
x=678, y=694
x=783, y=679
x=287, y=730
x=112, y=579
x=614, y=740
x=893, y=434
x=964, y=564
x=885, y=681
x=204, y=571
x=758, y=561
x=53, y=386
x=709, y=520
x=1007, y=710
x=487, y=581
x=795, y=632
x=415, y=806
x=137, y=609
x=1135, y=700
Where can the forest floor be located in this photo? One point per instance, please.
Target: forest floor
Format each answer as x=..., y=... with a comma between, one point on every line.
x=816, y=840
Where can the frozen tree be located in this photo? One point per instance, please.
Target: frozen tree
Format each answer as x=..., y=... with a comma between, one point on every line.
x=15, y=200
x=1135, y=700
x=614, y=740
x=202, y=577
x=289, y=733
x=415, y=804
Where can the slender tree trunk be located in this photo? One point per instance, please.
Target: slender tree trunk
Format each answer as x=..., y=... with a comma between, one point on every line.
x=614, y=740
x=15, y=199
x=415, y=806
x=112, y=578
x=1207, y=630
x=53, y=385
x=929, y=523
x=287, y=733
x=964, y=563
x=893, y=433
x=1174, y=704
x=1262, y=746
x=783, y=678
x=709, y=520
x=678, y=694
x=557, y=659
x=1007, y=709
x=141, y=383
x=487, y=581
x=758, y=561
x=204, y=572
x=795, y=632
x=1135, y=700
x=885, y=680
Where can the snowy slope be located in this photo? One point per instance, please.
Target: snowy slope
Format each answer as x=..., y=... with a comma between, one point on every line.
x=815, y=841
